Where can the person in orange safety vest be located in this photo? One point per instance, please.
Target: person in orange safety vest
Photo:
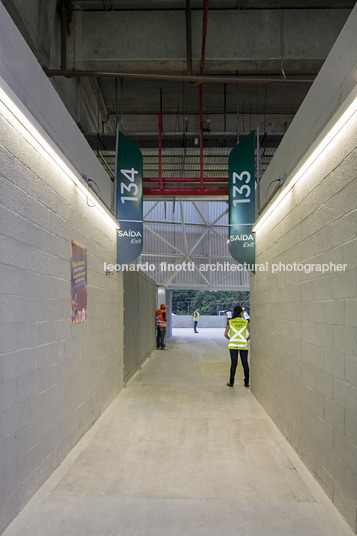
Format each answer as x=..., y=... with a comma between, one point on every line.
x=161, y=321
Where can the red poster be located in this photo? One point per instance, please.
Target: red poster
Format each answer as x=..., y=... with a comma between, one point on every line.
x=79, y=293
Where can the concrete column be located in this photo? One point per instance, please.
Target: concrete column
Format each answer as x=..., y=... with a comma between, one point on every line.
x=161, y=296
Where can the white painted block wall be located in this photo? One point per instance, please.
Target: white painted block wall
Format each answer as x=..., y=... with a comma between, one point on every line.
x=304, y=364
x=304, y=325
x=55, y=379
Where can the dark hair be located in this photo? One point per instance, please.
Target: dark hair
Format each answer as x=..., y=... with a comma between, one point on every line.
x=237, y=311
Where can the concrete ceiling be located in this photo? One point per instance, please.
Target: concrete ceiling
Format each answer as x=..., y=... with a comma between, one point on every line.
x=268, y=47
x=101, y=5
x=280, y=41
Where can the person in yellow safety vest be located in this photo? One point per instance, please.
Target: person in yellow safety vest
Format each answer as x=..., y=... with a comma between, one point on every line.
x=196, y=317
x=238, y=334
x=161, y=321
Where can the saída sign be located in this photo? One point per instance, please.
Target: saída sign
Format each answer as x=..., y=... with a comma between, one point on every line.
x=129, y=187
x=241, y=187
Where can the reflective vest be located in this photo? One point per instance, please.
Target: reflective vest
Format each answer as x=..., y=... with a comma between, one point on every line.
x=196, y=317
x=238, y=333
x=160, y=322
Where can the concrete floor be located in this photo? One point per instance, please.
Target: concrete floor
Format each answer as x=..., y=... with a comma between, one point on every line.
x=179, y=453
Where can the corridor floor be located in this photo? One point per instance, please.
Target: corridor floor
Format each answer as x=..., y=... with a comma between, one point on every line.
x=180, y=453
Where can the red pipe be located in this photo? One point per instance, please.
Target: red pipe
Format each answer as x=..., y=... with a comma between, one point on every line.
x=204, y=34
x=202, y=69
x=188, y=37
x=160, y=149
x=201, y=136
x=160, y=142
x=190, y=179
x=186, y=191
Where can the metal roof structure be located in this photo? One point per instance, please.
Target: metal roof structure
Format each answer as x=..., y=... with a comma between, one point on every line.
x=185, y=244
x=180, y=156
x=185, y=80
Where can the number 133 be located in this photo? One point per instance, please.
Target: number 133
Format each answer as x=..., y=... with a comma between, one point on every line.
x=245, y=175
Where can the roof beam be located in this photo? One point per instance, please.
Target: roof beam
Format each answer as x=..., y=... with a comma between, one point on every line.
x=202, y=79
x=154, y=41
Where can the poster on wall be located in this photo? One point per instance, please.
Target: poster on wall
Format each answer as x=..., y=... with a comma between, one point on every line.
x=79, y=293
x=129, y=210
x=241, y=187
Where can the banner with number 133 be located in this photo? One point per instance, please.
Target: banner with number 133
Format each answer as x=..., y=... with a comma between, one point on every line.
x=241, y=187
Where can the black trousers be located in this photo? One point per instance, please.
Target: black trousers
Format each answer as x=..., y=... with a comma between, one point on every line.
x=234, y=362
x=160, y=337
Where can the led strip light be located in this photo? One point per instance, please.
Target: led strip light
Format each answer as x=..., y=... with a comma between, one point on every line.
x=336, y=129
x=26, y=128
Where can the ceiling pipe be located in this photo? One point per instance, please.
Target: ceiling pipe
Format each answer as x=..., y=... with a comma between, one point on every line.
x=251, y=112
x=186, y=191
x=160, y=142
x=201, y=135
x=63, y=36
x=225, y=107
x=182, y=180
x=66, y=17
x=204, y=35
x=202, y=70
x=188, y=37
x=200, y=79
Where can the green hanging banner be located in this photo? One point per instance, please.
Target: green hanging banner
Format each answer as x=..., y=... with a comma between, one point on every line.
x=129, y=195
x=241, y=164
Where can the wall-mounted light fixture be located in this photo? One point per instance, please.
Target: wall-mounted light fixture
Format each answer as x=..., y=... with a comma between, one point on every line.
x=25, y=124
x=338, y=124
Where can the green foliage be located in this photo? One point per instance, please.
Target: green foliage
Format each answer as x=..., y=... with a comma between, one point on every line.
x=209, y=302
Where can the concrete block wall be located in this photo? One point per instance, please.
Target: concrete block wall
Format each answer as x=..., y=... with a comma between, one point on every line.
x=304, y=325
x=333, y=84
x=26, y=78
x=55, y=379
